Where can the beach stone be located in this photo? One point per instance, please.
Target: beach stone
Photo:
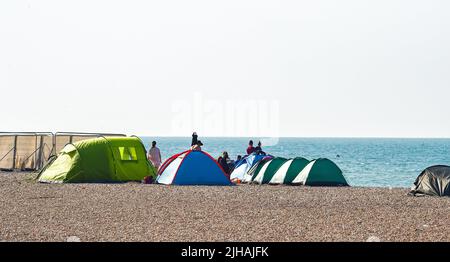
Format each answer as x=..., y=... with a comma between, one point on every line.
x=373, y=239
x=73, y=239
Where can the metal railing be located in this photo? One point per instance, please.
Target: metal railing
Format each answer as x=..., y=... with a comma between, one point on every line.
x=24, y=150
x=31, y=150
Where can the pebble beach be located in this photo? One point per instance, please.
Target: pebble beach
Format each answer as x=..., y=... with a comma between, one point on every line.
x=32, y=211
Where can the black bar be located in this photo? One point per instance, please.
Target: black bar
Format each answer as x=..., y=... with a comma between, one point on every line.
x=228, y=251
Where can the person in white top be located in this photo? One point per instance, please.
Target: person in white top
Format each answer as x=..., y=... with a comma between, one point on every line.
x=154, y=155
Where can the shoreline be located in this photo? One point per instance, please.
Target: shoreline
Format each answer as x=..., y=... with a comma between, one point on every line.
x=136, y=212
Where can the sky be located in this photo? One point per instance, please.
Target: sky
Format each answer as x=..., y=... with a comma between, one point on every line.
x=348, y=68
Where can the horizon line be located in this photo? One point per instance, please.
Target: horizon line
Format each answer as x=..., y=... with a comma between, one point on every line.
x=357, y=137
x=256, y=136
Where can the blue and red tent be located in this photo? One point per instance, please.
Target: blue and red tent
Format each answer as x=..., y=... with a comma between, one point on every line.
x=192, y=168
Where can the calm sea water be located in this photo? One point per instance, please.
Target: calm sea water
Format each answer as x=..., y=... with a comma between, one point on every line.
x=371, y=162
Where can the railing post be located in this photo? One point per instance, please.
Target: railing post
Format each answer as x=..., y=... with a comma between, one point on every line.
x=14, y=153
x=53, y=152
x=39, y=155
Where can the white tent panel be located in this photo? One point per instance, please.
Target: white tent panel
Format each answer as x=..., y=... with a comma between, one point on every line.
x=303, y=175
x=169, y=173
x=278, y=177
x=240, y=172
x=247, y=178
x=259, y=178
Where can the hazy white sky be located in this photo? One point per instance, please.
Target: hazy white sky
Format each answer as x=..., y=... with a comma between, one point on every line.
x=307, y=68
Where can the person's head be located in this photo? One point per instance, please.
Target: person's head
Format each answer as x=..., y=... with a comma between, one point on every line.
x=153, y=143
x=250, y=143
x=239, y=157
x=225, y=154
x=199, y=143
x=259, y=143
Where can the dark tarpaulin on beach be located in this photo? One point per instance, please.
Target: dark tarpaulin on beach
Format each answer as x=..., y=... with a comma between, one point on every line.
x=434, y=181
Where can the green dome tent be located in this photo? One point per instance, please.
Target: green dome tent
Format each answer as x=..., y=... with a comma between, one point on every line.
x=321, y=172
x=267, y=171
x=289, y=171
x=115, y=159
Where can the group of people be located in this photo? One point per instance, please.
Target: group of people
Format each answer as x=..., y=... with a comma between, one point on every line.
x=228, y=165
x=154, y=154
x=251, y=149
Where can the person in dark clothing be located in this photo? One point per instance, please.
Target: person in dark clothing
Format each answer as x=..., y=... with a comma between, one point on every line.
x=198, y=146
x=250, y=148
x=235, y=162
x=194, y=139
x=224, y=163
x=258, y=149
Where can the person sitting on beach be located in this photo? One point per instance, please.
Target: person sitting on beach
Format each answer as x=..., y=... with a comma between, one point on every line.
x=198, y=146
x=154, y=155
x=224, y=163
x=258, y=149
x=250, y=148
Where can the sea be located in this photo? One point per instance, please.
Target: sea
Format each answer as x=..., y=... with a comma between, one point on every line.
x=365, y=162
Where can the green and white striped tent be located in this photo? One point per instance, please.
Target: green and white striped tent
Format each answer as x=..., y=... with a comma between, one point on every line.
x=267, y=170
x=289, y=171
x=321, y=172
x=299, y=171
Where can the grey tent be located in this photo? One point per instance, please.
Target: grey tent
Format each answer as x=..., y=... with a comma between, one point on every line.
x=434, y=181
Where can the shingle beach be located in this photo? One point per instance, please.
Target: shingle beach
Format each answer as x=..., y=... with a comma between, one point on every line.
x=31, y=211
